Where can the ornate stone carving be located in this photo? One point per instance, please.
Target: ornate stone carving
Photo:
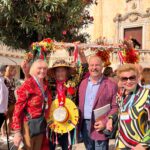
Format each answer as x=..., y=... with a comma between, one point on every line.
x=148, y=10
x=132, y=4
x=128, y=1
x=132, y=16
x=118, y=18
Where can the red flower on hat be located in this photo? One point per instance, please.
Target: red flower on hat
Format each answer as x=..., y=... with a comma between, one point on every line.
x=43, y=48
x=48, y=40
x=105, y=56
x=132, y=56
x=71, y=90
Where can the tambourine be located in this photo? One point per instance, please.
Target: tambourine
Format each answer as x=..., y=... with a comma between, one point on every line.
x=63, y=119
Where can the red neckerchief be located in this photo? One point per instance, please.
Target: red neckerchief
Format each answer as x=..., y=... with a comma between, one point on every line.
x=61, y=90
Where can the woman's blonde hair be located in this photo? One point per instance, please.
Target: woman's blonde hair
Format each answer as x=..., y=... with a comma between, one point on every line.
x=126, y=68
x=34, y=65
x=9, y=69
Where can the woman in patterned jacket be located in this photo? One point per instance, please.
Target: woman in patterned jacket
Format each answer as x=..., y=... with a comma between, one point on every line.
x=134, y=113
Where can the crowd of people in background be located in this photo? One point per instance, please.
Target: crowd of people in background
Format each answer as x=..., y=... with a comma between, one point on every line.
x=125, y=89
x=9, y=81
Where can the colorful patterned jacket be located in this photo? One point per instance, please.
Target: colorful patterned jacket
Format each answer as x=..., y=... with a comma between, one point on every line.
x=136, y=129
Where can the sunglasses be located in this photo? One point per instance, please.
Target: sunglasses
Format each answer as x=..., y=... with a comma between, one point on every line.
x=125, y=79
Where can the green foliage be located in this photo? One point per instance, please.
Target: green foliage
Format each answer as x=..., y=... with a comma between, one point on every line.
x=25, y=21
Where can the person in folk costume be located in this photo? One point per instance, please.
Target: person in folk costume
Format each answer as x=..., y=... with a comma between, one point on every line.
x=63, y=83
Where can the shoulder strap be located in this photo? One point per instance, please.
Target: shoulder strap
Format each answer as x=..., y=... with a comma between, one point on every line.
x=43, y=110
x=45, y=101
x=44, y=95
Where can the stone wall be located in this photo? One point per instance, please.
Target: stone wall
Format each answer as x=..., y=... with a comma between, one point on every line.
x=112, y=16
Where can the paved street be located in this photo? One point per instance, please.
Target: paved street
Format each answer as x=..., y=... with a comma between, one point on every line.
x=3, y=145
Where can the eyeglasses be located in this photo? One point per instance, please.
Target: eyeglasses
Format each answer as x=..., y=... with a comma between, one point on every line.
x=125, y=79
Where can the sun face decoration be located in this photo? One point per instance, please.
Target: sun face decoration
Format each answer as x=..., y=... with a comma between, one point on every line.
x=63, y=119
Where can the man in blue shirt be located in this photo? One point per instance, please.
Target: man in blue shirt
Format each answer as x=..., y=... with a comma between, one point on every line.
x=94, y=92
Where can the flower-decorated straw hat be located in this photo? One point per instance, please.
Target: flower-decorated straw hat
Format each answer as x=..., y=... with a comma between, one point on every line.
x=61, y=63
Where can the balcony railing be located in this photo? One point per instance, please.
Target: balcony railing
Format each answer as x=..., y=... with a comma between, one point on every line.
x=18, y=55
x=144, y=58
x=143, y=54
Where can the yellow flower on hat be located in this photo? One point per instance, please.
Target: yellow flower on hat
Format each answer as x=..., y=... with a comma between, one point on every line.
x=70, y=84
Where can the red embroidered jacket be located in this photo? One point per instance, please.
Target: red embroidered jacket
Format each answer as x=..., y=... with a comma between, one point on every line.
x=29, y=99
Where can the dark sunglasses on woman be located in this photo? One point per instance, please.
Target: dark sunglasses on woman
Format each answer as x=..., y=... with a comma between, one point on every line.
x=125, y=79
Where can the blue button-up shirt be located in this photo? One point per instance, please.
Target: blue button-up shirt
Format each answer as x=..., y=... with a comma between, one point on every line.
x=90, y=96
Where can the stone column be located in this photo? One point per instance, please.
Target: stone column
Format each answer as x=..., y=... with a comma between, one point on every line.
x=147, y=36
x=98, y=19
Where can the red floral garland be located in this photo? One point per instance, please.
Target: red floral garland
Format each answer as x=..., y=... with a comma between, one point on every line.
x=105, y=56
x=131, y=55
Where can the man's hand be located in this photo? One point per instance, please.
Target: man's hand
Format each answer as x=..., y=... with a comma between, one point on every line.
x=109, y=125
x=81, y=51
x=99, y=126
x=139, y=147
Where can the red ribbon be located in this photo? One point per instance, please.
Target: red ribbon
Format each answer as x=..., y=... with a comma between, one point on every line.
x=121, y=58
x=45, y=143
x=61, y=90
x=75, y=53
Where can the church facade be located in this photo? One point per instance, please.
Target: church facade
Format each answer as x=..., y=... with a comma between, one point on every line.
x=122, y=19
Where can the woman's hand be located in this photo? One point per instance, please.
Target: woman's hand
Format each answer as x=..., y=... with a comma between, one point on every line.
x=17, y=139
x=82, y=56
x=109, y=125
x=25, y=68
x=139, y=147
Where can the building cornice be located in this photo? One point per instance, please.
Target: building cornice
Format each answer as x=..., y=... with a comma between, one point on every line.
x=120, y=17
x=14, y=55
x=6, y=51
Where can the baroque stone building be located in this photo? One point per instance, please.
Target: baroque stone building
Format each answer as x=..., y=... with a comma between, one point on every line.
x=119, y=19
x=113, y=19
